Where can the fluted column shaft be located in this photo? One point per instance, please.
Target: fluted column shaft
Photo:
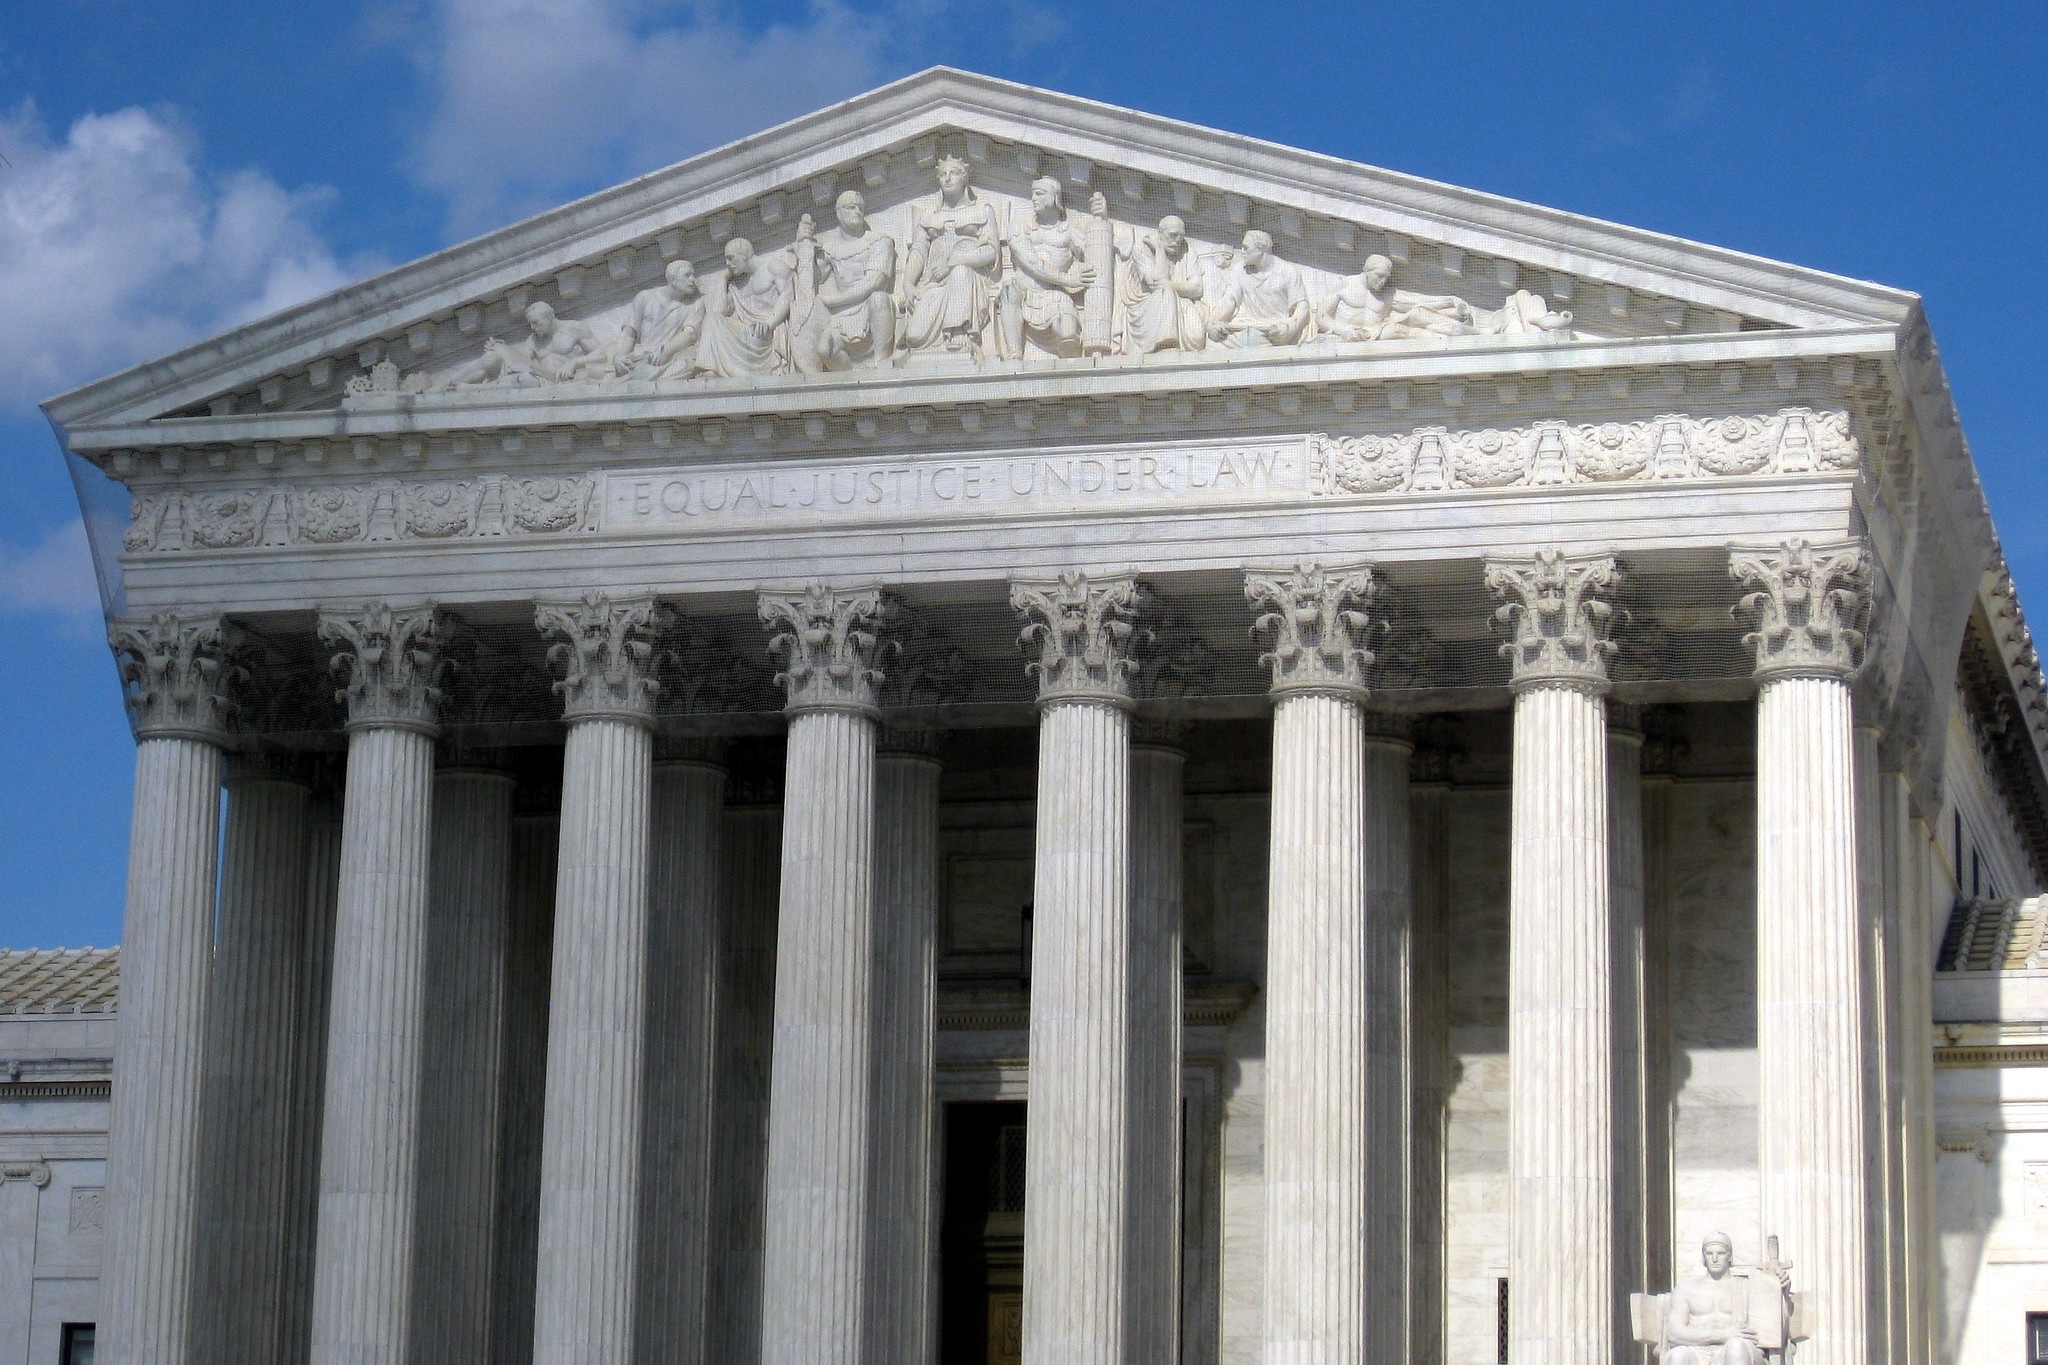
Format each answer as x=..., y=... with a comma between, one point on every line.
x=154, y=1121
x=1154, y=1234
x=814, y=1256
x=590, y=1146
x=1625, y=902
x=309, y=1078
x=1429, y=1052
x=684, y=883
x=1389, y=1131
x=900, y=1209
x=1812, y=1117
x=1317, y=1035
x=369, y=1147
x=250, y=1043
x=529, y=963
x=468, y=910
x=1560, y=1033
x=1075, y=1172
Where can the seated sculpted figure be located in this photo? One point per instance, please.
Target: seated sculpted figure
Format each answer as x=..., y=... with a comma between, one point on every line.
x=557, y=351
x=1711, y=1318
x=948, y=285
x=1367, y=307
x=743, y=322
x=663, y=328
x=1262, y=300
x=1041, y=298
x=1162, y=291
x=852, y=319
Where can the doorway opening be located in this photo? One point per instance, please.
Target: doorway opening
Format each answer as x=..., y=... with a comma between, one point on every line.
x=981, y=1236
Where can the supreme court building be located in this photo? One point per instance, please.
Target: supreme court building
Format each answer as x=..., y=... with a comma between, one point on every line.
x=987, y=728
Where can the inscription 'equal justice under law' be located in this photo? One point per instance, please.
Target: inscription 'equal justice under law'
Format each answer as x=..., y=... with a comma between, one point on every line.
x=681, y=496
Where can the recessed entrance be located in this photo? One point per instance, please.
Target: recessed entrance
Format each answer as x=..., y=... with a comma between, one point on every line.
x=981, y=1236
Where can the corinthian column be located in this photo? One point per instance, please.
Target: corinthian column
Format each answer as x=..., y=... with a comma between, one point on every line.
x=814, y=1266
x=369, y=1145
x=1812, y=1111
x=1076, y=1176
x=1157, y=819
x=1319, y=970
x=171, y=667
x=588, y=1257
x=249, y=1064
x=1561, y=1157
x=906, y=933
x=468, y=922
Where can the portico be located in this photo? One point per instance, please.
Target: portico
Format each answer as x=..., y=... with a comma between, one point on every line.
x=1247, y=737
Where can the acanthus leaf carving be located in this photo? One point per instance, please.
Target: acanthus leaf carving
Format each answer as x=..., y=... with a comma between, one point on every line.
x=606, y=653
x=176, y=674
x=1083, y=631
x=1809, y=604
x=390, y=661
x=1318, y=617
x=828, y=644
x=343, y=514
x=1556, y=616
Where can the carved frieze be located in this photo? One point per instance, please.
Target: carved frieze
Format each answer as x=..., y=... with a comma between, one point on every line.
x=1318, y=619
x=175, y=673
x=829, y=646
x=1555, y=611
x=1434, y=459
x=1810, y=605
x=391, y=662
x=354, y=513
x=1083, y=632
x=605, y=649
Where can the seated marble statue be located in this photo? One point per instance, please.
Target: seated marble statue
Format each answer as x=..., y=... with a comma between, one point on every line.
x=1725, y=1316
x=851, y=320
x=1041, y=296
x=1162, y=291
x=1367, y=307
x=1260, y=301
x=948, y=285
x=663, y=328
x=557, y=351
x=743, y=321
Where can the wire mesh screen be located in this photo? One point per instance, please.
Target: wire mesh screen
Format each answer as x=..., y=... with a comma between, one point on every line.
x=953, y=657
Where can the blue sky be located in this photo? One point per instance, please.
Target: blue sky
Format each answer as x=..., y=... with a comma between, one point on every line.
x=178, y=166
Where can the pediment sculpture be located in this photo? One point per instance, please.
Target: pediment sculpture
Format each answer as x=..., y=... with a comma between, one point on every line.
x=1728, y=1314
x=968, y=279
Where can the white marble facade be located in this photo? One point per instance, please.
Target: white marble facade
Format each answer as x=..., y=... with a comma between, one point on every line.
x=1527, y=671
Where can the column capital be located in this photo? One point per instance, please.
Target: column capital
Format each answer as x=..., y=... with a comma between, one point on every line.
x=910, y=742
x=391, y=662
x=176, y=674
x=1809, y=605
x=829, y=646
x=1082, y=629
x=1319, y=624
x=606, y=656
x=1554, y=609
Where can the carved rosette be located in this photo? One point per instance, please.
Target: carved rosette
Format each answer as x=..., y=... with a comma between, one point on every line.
x=829, y=646
x=391, y=662
x=606, y=654
x=1810, y=605
x=1083, y=633
x=175, y=673
x=1319, y=624
x=1554, y=609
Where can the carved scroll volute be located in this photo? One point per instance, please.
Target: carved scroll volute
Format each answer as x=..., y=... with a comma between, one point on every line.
x=606, y=653
x=1319, y=624
x=391, y=663
x=1556, y=617
x=1809, y=607
x=1083, y=633
x=175, y=674
x=828, y=645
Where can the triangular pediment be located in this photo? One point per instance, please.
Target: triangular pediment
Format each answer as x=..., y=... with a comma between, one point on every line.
x=1463, y=270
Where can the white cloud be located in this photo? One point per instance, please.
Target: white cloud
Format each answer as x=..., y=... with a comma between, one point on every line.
x=539, y=100
x=115, y=246
x=54, y=576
